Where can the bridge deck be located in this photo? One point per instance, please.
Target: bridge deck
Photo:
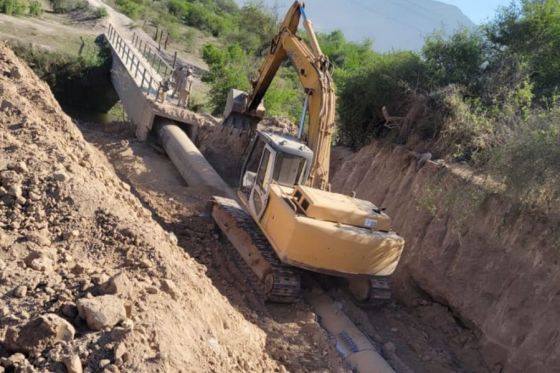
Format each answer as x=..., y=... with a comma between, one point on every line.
x=137, y=81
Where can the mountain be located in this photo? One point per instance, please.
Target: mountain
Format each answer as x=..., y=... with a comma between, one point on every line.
x=391, y=24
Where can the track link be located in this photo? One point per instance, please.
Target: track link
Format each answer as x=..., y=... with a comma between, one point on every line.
x=281, y=283
x=371, y=292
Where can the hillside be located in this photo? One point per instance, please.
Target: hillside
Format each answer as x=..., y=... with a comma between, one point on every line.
x=392, y=25
x=88, y=280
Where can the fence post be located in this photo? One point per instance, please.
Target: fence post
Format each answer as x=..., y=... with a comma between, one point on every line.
x=174, y=59
x=166, y=41
x=159, y=65
x=137, y=67
x=149, y=86
x=143, y=78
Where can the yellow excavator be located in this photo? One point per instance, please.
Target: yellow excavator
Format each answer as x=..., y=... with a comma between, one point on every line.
x=286, y=218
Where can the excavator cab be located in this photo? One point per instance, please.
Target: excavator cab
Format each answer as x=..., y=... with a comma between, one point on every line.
x=272, y=158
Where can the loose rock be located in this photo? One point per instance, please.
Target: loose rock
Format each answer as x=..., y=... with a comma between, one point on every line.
x=103, y=363
x=101, y=312
x=44, y=331
x=170, y=288
x=20, y=291
x=73, y=364
x=119, y=284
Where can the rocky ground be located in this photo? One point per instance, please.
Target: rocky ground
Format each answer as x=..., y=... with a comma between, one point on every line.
x=90, y=281
x=108, y=263
x=420, y=337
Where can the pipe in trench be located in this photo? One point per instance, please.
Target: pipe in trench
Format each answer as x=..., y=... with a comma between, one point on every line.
x=188, y=160
x=356, y=350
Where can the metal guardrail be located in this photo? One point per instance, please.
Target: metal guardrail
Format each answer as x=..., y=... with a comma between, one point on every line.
x=160, y=60
x=151, y=55
x=149, y=83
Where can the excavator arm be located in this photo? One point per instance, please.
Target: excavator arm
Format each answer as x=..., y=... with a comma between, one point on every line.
x=312, y=68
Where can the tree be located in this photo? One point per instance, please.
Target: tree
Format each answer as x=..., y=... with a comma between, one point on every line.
x=531, y=29
x=456, y=60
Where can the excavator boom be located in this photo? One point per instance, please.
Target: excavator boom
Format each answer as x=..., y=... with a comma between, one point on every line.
x=313, y=72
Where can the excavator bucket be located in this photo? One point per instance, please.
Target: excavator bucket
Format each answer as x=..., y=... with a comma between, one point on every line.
x=235, y=114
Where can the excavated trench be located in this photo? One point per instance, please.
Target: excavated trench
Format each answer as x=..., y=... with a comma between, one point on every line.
x=294, y=336
x=412, y=337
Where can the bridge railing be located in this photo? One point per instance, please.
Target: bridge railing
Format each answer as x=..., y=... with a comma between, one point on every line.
x=145, y=77
x=153, y=57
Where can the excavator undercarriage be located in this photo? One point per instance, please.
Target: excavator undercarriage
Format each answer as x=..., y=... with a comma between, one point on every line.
x=281, y=283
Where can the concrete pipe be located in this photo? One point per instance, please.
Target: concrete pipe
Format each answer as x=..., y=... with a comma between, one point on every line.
x=190, y=162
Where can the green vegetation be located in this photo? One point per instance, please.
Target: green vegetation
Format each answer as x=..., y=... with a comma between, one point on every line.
x=227, y=70
x=31, y=8
x=363, y=92
x=101, y=12
x=68, y=6
x=65, y=6
x=79, y=79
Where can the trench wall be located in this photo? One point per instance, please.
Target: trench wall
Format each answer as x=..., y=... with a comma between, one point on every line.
x=497, y=268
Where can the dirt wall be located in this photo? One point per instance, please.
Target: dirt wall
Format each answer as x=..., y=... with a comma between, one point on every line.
x=88, y=279
x=495, y=267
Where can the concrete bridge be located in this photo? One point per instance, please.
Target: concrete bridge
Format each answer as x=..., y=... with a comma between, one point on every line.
x=136, y=74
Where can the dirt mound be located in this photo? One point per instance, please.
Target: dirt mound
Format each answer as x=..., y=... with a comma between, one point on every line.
x=82, y=260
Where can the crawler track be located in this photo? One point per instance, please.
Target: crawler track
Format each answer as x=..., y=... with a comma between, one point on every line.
x=279, y=282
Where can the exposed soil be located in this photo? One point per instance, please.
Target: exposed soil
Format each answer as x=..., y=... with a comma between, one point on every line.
x=422, y=337
x=293, y=335
x=492, y=265
x=89, y=278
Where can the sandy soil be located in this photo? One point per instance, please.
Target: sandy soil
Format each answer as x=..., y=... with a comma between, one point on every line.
x=293, y=335
x=420, y=337
x=91, y=281
x=47, y=32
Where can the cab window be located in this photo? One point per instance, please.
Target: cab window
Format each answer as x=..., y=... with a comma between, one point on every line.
x=288, y=169
x=263, y=168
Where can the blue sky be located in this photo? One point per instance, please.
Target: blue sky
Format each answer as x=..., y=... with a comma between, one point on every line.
x=478, y=10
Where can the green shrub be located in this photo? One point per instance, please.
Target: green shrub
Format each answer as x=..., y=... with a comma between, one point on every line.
x=100, y=12
x=14, y=7
x=527, y=161
x=363, y=92
x=131, y=8
x=531, y=29
x=35, y=8
x=7, y=7
x=345, y=56
x=65, y=6
x=464, y=128
x=285, y=98
x=457, y=59
x=228, y=70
